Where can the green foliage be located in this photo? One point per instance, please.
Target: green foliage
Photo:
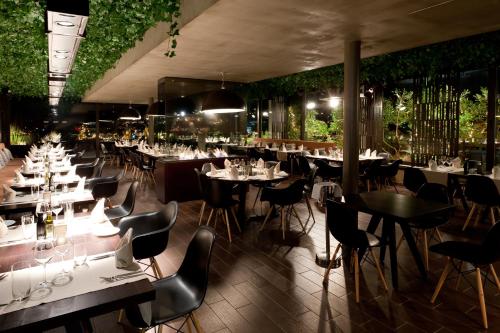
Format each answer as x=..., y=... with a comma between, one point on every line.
x=473, y=114
x=316, y=129
x=293, y=124
x=396, y=117
x=336, y=127
x=462, y=54
x=113, y=28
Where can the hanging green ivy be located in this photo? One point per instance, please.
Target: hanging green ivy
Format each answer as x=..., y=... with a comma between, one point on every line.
x=113, y=28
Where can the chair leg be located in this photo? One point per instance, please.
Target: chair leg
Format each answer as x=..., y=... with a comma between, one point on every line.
x=478, y=216
x=196, y=323
x=400, y=242
x=283, y=221
x=379, y=270
x=217, y=215
x=298, y=218
x=481, y=297
x=226, y=219
x=120, y=316
x=188, y=324
x=201, y=212
x=445, y=273
x=256, y=197
x=154, y=263
x=459, y=278
x=332, y=261
x=492, y=216
x=210, y=216
x=266, y=218
x=309, y=208
x=469, y=217
x=235, y=219
x=495, y=276
x=426, y=250
x=356, y=274
x=438, y=234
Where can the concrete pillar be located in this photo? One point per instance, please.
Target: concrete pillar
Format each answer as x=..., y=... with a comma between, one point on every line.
x=351, y=117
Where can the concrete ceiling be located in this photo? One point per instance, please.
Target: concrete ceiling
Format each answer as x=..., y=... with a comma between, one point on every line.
x=251, y=40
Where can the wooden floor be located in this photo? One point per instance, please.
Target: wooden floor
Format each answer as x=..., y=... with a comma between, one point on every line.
x=260, y=283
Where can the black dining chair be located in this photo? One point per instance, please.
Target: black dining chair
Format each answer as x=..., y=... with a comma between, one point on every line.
x=86, y=169
x=268, y=155
x=343, y=225
x=413, y=179
x=127, y=207
x=142, y=169
x=370, y=174
x=180, y=294
x=218, y=197
x=150, y=234
x=482, y=256
x=427, y=228
x=483, y=193
x=386, y=173
x=304, y=165
x=105, y=187
x=285, y=198
x=328, y=172
x=202, y=191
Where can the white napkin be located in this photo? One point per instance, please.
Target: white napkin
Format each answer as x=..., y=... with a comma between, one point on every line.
x=233, y=173
x=8, y=193
x=20, y=177
x=368, y=152
x=81, y=185
x=72, y=172
x=31, y=156
x=456, y=162
x=374, y=153
x=29, y=162
x=277, y=168
x=433, y=165
x=284, y=148
x=97, y=214
x=260, y=163
x=124, y=256
x=301, y=147
x=316, y=152
x=213, y=169
x=227, y=164
x=270, y=173
x=4, y=230
x=267, y=146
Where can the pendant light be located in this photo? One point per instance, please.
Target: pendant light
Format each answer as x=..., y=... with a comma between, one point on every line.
x=222, y=101
x=130, y=114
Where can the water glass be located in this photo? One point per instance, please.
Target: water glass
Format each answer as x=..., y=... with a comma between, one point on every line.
x=28, y=225
x=69, y=211
x=80, y=252
x=21, y=280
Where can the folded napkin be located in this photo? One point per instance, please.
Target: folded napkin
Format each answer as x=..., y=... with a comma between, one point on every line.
x=316, y=152
x=456, y=162
x=31, y=156
x=301, y=147
x=97, y=215
x=72, y=172
x=277, y=168
x=227, y=164
x=213, y=169
x=20, y=177
x=433, y=165
x=368, y=152
x=8, y=193
x=81, y=186
x=284, y=148
x=233, y=173
x=4, y=230
x=29, y=162
x=270, y=173
x=260, y=163
x=374, y=153
x=124, y=257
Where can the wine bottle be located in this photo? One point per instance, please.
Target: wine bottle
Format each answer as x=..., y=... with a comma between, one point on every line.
x=49, y=225
x=40, y=225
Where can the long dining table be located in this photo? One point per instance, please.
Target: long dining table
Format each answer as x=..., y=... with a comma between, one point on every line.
x=85, y=297
x=395, y=208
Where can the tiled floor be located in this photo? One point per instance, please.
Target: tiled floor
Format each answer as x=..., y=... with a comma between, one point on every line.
x=260, y=283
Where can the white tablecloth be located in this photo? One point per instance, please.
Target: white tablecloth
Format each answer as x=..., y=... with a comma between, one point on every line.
x=440, y=175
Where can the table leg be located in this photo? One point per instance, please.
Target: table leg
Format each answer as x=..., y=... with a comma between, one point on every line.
x=413, y=248
x=391, y=235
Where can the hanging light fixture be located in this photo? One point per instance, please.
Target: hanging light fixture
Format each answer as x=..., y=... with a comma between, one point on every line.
x=222, y=101
x=130, y=114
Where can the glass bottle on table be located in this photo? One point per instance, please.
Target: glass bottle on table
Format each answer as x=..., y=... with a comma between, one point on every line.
x=49, y=224
x=41, y=215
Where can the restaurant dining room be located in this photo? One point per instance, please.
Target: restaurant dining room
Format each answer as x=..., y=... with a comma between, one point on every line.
x=243, y=166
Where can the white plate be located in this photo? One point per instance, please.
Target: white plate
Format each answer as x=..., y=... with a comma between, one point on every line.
x=104, y=230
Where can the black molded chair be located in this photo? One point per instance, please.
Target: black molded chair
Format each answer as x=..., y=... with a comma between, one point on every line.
x=268, y=155
x=253, y=153
x=141, y=168
x=127, y=207
x=98, y=169
x=370, y=174
x=328, y=172
x=304, y=165
x=387, y=172
x=218, y=197
x=427, y=228
x=107, y=156
x=483, y=193
x=413, y=179
x=343, y=225
x=105, y=187
x=150, y=233
x=181, y=294
x=285, y=198
x=481, y=256
x=86, y=169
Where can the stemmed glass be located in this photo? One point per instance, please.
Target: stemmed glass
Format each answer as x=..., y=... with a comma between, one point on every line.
x=43, y=253
x=63, y=246
x=253, y=163
x=56, y=208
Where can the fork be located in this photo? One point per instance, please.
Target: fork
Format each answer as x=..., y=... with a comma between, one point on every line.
x=115, y=278
x=3, y=276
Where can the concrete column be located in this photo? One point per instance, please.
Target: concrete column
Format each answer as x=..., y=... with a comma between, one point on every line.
x=351, y=117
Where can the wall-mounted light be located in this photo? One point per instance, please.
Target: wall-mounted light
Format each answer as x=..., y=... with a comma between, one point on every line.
x=334, y=102
x=310, y=105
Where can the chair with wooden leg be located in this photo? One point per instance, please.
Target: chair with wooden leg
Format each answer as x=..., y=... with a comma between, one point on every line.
x=218, y=197
x=285, y=198
x=427, y=228
x=150, y=234
x=201, y=189
x=179, y=295
x=413, y=179
x=343, y=225
x=482, y=256
x=370, y=174
x=386, y=173
x=483, y=193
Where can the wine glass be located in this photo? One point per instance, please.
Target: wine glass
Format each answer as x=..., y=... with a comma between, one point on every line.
x=28, y=226
x=62, y=246
x=253, y=163
x=43, y=253
x=56, y=208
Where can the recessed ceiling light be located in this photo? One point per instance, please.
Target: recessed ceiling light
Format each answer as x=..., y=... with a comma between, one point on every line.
x=65, y=24
x=60, y=56
x=62, y=51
